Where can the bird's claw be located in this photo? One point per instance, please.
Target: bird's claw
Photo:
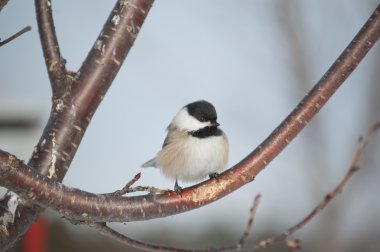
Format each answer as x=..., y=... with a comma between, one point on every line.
x=178, y=189
x=214, y=175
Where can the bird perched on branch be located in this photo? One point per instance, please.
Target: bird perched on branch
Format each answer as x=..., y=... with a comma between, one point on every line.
x=195, y=146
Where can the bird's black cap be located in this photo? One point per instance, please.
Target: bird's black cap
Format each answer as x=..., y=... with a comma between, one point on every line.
x=202, y=110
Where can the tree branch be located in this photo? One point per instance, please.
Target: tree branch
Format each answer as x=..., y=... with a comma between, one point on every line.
x=127, y=188
x=55, y=64
x=248, y=227
x=75, y=101
x=99, y=208
x=19, y=33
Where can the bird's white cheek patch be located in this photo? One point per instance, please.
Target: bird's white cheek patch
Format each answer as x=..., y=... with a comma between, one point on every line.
x=188, y=123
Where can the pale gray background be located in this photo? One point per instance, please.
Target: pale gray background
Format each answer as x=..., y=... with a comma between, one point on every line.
x=254, y=60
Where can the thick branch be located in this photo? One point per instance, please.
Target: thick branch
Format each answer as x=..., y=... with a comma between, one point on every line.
x=73, y=109
x=93, y=207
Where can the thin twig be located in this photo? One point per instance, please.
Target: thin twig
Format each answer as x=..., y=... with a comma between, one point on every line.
x=107, y=231
x=363, y=141
x=25, y=29
x=126, y=188
x=252, y=213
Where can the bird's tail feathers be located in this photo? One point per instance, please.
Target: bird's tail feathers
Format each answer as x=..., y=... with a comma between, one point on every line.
x=150, y=163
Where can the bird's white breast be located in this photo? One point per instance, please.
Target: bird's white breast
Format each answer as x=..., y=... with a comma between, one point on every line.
x=190, y=158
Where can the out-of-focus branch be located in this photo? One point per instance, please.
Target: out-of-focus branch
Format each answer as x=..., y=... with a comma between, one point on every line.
x=148, y=246
x=19, y=33
x=363, y=141
x=99, y=208
x=75, y=100
x=55, y=64
x=248, y=227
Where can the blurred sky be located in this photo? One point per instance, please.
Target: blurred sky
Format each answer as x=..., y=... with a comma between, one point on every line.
x=253, y=59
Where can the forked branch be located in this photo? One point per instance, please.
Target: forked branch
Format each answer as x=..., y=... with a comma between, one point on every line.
x=76, y=96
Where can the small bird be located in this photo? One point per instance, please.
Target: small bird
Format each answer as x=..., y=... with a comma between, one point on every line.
x=194, y=147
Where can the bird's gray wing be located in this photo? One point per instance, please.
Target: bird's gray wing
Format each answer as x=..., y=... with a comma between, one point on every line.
x=152, y=162
x=166, y=141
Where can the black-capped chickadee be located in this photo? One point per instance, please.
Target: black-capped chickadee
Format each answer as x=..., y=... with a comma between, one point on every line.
x=194, y=146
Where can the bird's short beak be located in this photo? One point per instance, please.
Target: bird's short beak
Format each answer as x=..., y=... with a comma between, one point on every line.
x=216, y=124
